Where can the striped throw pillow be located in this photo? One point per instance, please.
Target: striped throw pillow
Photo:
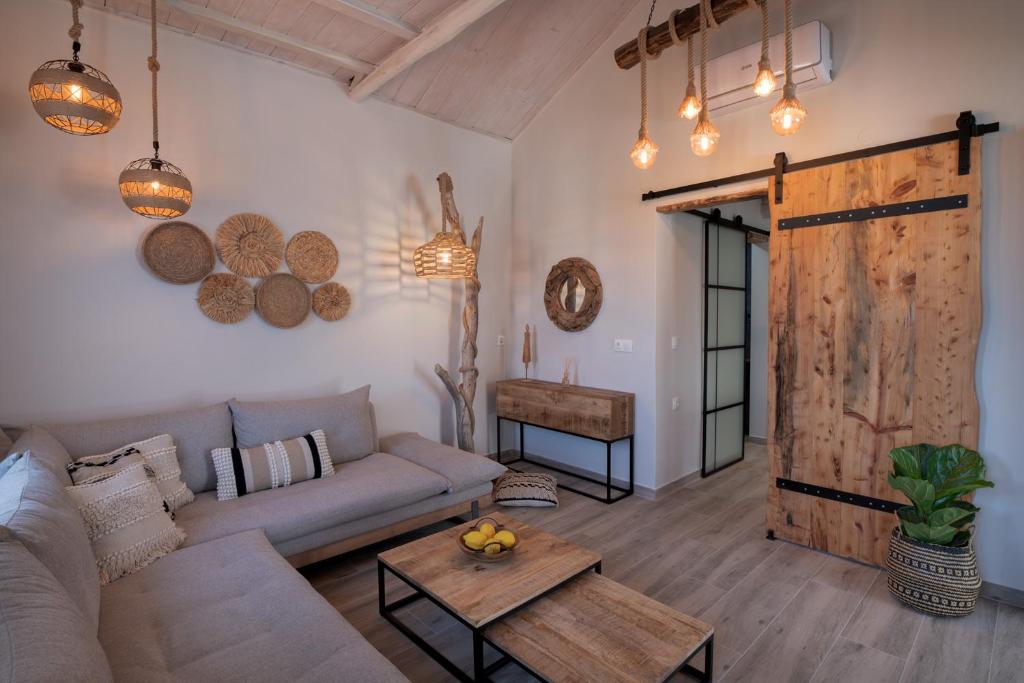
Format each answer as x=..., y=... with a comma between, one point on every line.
x=525, y=489
x=272, y=465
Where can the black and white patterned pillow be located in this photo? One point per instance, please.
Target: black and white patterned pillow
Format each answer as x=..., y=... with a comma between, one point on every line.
x=526, y=489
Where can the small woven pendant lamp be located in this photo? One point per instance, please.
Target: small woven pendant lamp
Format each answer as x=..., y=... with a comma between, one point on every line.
x=152, y=187
x=72, y=96
x=690, y=106
x=446, y=257
x=704, y=138
x=764, y=82
x=788, y=114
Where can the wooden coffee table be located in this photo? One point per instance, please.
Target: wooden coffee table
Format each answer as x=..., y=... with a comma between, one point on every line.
x=547, y=608
x=479, y=593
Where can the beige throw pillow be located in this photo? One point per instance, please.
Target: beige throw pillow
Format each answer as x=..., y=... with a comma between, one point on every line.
x=525, y=489
x=272, y=465
x=125, y=521
x=159, y=453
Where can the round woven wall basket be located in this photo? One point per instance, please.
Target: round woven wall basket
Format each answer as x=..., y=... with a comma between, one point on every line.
x=933, y=578
x=226, y=298
x=283, y=300
x=312, y=257
x=178, y=252
x=331, y=302
x=250, y=245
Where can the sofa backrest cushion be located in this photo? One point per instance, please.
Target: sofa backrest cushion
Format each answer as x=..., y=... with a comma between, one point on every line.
x=346, y=420
x=47, y=450
x=43, y=636
x=196, y=432
x=35, y=508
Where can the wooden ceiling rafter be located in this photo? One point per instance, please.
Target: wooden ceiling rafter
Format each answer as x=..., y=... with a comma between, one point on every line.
x=234, y=25
x=371, y=16
x=434, y=35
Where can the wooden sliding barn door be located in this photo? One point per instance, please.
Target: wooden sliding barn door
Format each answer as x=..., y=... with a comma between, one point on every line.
x=874, y=316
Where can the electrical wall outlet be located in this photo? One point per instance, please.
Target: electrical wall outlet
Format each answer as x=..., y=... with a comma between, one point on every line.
x=501, y=340
x=623, y=345
x=675, y=403
x=675, y=342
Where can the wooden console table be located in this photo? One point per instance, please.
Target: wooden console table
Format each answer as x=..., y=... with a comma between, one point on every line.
x=597, y=414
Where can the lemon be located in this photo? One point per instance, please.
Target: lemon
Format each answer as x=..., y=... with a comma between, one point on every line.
x=474, y=540
x=487, y=529
x=506, y=538
x=492, y=548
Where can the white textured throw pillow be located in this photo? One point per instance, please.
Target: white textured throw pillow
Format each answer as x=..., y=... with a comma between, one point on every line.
x=126, y=522
x=526, y=489
x=159, y=453
x=272, y=465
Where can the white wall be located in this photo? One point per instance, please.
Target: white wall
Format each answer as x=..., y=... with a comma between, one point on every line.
x=902, y=69
x=88, y=332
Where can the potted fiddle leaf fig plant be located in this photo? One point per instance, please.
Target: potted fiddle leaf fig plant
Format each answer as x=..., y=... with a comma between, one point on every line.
x=932, y=563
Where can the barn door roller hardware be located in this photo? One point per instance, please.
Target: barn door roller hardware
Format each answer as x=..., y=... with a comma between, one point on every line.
x=967, y=128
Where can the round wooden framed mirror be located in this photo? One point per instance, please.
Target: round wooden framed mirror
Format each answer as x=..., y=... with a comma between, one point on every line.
x=573, y=294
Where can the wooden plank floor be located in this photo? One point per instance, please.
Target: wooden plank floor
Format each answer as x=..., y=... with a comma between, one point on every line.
x=781, y=612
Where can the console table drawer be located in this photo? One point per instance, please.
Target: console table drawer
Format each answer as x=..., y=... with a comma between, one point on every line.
x=596, y=413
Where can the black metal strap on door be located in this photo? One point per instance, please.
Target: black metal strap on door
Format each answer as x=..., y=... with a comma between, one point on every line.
x=967, y=128
x=837, y=495
x=868, y=213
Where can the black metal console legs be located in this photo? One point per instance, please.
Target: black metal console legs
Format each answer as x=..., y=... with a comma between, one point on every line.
x=608, y=497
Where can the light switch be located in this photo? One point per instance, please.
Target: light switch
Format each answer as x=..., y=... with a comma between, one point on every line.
x=675, y=403
x=501, y=340
x=675, y=342
x=623, y=345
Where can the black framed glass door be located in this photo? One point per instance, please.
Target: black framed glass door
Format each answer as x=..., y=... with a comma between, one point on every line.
x=726, y=385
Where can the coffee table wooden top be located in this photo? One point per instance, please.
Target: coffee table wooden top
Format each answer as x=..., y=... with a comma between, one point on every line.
x=481, y=592
x=594, y=629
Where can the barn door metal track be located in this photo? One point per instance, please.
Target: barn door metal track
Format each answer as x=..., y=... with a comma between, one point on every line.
x=868, y=213
x=837, y=495
x=966, y=128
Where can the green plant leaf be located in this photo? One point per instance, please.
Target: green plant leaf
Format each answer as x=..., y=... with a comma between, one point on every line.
x=948, y=517
x=941, y=535
x=920, y=492
x=906, y=461
x=962, y=538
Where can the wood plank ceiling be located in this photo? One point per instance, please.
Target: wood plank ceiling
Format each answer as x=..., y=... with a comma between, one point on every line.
x=493, y=77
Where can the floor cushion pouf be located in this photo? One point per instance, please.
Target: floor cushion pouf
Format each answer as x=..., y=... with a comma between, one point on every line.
x=526, y=489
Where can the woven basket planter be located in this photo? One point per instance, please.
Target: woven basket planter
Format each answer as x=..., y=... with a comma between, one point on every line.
x=933, y=578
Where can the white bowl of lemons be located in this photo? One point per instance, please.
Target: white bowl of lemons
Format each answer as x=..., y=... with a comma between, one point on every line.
x=488, y=540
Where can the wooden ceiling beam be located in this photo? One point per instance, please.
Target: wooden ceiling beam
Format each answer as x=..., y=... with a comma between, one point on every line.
x=225, y=21
x=434, y=35
x=687, y=23
x=369, y=15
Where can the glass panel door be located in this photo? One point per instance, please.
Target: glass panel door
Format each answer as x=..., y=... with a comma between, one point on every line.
x=726, y=346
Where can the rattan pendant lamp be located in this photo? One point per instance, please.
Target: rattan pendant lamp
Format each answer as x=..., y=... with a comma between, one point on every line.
x=152, y=187
x=72, y=96
x=788, y=114
x=690, y=106
x=644, y=151
x=446, y=257
x=764, y=82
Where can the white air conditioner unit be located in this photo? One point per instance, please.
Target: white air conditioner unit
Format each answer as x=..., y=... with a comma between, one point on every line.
x=731, y=76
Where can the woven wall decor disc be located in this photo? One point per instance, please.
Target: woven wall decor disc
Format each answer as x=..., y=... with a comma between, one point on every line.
x=283, y=300
x=226, y=298
x=312, y=257
x=250, y=245
x=178, y=252
x=331, y=302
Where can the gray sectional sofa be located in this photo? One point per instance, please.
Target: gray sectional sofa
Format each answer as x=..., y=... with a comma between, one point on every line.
x=228, y=605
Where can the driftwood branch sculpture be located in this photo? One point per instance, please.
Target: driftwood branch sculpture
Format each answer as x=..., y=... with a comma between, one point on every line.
x=464, y=392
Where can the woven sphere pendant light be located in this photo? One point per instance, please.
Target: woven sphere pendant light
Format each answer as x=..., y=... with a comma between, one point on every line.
x=764, y=82
x=72, y=96
x=152, y=187
x=788, y=113
x=644, y=151
x=446, y=257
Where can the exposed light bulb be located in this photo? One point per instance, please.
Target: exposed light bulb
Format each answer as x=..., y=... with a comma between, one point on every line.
x=764, y=84
x=76, y=92
x=644, y=152
x=704, y=138
x=444, y=257
x=155, y=185
x=788, y=114
x=690, y=106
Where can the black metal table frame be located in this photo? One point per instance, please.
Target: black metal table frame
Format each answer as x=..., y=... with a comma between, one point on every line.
x=481, y=672
x=607, y=482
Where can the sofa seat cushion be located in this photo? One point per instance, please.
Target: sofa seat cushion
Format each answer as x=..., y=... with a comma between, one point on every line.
x=463, y=470
x=374, y=484
x=230, y=610
x=195, y=432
